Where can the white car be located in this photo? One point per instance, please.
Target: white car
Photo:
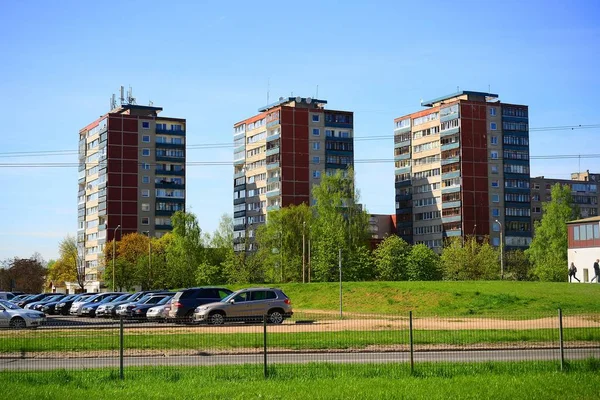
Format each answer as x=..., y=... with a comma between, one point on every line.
x=14, y=316
x=158, y=313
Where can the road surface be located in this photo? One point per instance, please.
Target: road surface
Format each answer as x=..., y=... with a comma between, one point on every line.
x=298, y=358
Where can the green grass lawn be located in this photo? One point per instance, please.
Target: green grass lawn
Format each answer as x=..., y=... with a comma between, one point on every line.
x=40, y=341
x=518, y=300
x=314, y=381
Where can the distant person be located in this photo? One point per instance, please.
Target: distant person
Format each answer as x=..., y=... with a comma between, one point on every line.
x=572, y=272
x=596, y=271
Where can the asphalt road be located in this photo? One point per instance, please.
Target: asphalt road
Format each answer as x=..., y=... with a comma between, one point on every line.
x=298, y=358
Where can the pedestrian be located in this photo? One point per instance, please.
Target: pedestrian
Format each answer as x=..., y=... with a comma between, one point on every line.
x=572, y=272
x=596, y=271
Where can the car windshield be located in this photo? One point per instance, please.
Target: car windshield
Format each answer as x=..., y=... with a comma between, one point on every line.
x=108, y=299
x=121, y=298
x=143, y=299
x=231, y=296
x=165, y=300
x=9, y=305
x=69, y=297
x=53, y=298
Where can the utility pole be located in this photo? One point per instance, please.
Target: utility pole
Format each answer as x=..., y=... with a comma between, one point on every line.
x=114, y=254
x=303, y=252
x=501, y=250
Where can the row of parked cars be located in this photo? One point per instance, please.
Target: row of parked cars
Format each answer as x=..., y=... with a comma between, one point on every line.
x=213, y=305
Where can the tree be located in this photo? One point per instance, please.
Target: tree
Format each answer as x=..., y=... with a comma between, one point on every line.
x=210, y=271
x=185, y=252
x=391, y=259
x=517, y=266
x=25, y=274
x=71, y=264
x=423, y=264
x=131, y=261
x=548, y=249
x=470, y=260
x=339, y=223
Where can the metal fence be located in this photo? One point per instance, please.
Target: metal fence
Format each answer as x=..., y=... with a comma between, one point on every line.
x=396, y=342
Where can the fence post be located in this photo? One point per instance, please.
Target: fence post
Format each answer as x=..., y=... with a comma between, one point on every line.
x=121, y=374
x=410, y=336
x=265, y=346
x=560, y=334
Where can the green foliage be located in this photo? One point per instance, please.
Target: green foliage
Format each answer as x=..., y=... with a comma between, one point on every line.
x=360, y=267
x=548, y=250
x=185, y=252
x=391, y=259
x=470, y=260
x=517, y=266
x=423, y=264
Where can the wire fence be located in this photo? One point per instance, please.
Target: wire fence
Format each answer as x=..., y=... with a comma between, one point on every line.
x=401, y=343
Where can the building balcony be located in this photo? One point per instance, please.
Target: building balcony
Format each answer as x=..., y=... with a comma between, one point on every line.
x=273, y=193
x=453, y=218
x=273, y=179
x=169, y=186
x=402, y=144
x=239, y=214
x=402, y=157
x=453, y=233
x=451, y=189
x=241, y=161
x=170, y=145
x=239, y=201
x=101, y=227
x=337, y=166
x=271, y=166
x=172, y=173
x=274, y=150
x=239, y=148
x=170, y=132
x=165, y=213
x=401, y=184
x=402, y=170
x=339, y=139
x=451, y=204
x=450, y=160
x=403, y=197
x=450, y=146
x=449, y=132
x=171, y=198
x=273, y=137
x=170, y=159
x=163, y=227
x=239, y=227
x=237, y=188
x=273, y=207
x=449, y=117
x=239, y=240
x=453, y=174
x=402, y=130
x=239, y=174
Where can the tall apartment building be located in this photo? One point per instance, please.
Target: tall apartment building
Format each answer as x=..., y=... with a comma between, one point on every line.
x=584, y=188
x=280, y=154
x=461, y=164
x=131, y=176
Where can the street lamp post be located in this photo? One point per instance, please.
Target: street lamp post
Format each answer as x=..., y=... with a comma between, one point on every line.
x=114, y=253
x=501, y=250
x=303, y=253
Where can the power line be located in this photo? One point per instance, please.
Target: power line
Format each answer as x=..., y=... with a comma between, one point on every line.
x=226, y=145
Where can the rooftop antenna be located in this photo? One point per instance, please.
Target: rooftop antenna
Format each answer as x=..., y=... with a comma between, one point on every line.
x=113, y=102
x=268, y=87
x=130, y=98
x=457, y=89
x=150, y=103
x=489, y=88
x=122, y=95
x=317, y=96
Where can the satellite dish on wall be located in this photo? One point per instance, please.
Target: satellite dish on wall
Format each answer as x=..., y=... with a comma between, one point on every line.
x=281, y=98
x=298, y=99
x=308, y=100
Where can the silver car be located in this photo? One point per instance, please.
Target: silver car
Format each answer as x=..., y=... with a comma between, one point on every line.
x=14, y=316
x=247, y=305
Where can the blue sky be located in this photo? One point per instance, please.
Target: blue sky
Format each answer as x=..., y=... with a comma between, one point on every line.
x=210, y=62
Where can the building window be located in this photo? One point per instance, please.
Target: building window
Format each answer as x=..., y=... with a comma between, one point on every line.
x=145, y=206
x=315, y=117
x=494, y=155
x=496, y=242
x=493, y=111
x=537, y=210
x=494, y=169
x=493, y=126
x=494, y=140
x=495, y=212
x=495, y=183
x=316, y=160
x=316, y=132
x=145, y=166
x=496, y=227
x=495, y=198
x=146, y=138
x=316, y=174
x=145, y=193
x=146, y=152
x=316, y=145
x=146, y=125
x=145, y=221
x=145, y=179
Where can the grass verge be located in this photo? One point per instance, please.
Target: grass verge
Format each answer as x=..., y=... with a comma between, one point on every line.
x=524, y=380
x=47, y=341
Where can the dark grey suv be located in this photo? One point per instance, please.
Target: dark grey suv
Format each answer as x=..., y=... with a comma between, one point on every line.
x=247, y=305
x=185, y=301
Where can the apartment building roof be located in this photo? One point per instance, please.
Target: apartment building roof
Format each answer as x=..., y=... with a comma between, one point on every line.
x=585, y=220
x=430, y=103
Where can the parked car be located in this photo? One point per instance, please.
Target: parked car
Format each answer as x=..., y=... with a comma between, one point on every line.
x=247, y=305
x=6, y=296
x=89, y=309
x=105, y=309
x=49, y=308
x=126, y=310
x=140, y=310
x=19, y=297
x=185, y=301
x=39, y=304
x=14, y=316
x=110, y=310
x=63, y=307
x=98, y=297
x=159, y=313
x=33, y=299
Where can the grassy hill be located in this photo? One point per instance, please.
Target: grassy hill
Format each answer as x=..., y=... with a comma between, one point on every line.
x=477, y=298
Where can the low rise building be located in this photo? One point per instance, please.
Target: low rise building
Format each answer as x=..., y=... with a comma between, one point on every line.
x=584, y=246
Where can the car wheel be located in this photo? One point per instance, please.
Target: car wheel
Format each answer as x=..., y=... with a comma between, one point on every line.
x=275, y=317
x=216, y=318
x=18, y=323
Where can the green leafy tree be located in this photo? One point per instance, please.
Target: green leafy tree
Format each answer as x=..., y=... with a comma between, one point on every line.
x=548, y=249
x=391, y=259
x=470, y=260
x=339, y=223
x=186, y=251
x=517, y=266
x=360, y=267
x=218, y=246
x=423, y=264
x=71, y=264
